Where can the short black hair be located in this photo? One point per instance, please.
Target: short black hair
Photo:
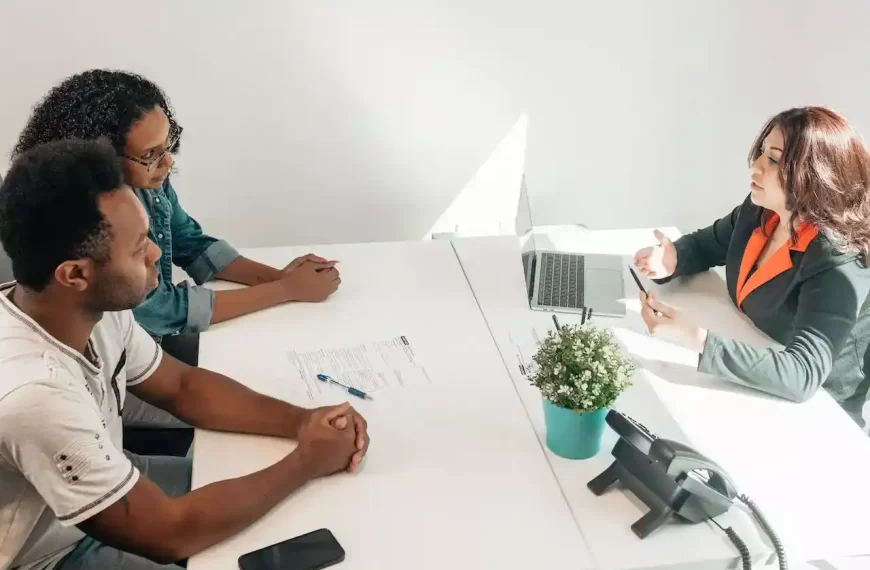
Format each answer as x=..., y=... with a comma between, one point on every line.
x=49, y=209
x=93, y=104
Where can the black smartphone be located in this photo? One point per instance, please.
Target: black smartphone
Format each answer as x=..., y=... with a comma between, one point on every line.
x=312, y=551
x=637, y=280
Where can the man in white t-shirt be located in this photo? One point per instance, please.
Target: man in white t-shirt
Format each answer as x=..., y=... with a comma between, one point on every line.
x=70, y=498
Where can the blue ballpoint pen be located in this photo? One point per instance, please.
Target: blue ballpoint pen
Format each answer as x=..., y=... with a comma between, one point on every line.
x=350, y=390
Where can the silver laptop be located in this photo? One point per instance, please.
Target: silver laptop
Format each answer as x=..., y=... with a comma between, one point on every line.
x=568, y=282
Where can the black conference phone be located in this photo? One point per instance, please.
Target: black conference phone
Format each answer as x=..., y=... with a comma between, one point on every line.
x=672, y=479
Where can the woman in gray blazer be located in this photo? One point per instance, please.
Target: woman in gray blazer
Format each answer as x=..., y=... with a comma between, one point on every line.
x=796, y=255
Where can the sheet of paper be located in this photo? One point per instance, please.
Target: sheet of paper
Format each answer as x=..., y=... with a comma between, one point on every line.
x=368, y=366
x=524, y=342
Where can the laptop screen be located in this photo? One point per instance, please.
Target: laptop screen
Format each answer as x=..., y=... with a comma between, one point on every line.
x=524, y=224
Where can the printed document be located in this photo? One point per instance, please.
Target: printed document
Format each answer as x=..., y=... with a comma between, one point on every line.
x=368, y=366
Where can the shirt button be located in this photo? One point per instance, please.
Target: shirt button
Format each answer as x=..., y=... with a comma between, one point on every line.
x=157, y=200
x=159, y=236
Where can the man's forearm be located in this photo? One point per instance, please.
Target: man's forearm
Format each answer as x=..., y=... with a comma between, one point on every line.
x=212, y=401
x=238, y=302
x=220, y=510
x=249, y=272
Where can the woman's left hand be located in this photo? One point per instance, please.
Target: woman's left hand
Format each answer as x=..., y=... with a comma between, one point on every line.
x=664, y=321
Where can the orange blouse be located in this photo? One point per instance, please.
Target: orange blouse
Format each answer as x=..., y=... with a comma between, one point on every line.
x=778, y=263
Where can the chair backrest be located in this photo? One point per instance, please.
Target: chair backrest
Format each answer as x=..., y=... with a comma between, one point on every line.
x=5, y=262
x=5, y=267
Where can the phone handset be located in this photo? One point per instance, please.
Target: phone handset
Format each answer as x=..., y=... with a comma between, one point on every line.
x=682, y=459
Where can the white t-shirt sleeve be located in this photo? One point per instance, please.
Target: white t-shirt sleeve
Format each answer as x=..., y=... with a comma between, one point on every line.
x=143, y=354
x=55, y=436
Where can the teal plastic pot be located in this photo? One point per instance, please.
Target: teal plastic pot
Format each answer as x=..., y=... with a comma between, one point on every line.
x=571, y=434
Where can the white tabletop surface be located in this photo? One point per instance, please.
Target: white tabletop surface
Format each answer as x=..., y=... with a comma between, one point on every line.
x=455, y=477
x=805, y=464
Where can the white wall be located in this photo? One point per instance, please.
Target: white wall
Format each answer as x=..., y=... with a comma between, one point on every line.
x=335, y=121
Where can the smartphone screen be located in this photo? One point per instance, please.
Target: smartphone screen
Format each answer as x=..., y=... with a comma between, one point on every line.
x=311, y=551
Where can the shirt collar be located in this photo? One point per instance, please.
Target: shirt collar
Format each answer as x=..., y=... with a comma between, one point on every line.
x=20, y=316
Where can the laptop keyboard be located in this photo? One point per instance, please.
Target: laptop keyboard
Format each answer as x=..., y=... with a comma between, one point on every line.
x=560, y=280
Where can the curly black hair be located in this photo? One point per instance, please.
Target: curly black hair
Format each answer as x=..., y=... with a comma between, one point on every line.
x=49, y=209
x=93, y=104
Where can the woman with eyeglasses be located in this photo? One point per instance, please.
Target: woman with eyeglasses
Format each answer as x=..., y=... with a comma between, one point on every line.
x=135, y=116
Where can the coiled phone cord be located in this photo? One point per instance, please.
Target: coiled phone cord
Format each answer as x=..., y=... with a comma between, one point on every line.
x=745, y=556
x=777, y=543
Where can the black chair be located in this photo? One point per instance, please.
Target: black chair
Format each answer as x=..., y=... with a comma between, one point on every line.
x=5, y=262
x=184, y=347
x=5, y=267
x=166, y=441
x=158, y=441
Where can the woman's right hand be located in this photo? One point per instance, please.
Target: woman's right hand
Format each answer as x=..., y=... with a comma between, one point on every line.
x=658, y=261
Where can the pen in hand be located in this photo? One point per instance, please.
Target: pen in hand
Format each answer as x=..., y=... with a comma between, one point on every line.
x=641, y=287
x=349, y=389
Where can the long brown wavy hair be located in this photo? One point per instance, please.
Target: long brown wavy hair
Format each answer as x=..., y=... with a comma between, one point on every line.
x=825, y=172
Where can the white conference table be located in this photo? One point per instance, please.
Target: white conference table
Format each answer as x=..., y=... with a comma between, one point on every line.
x=804, y=464
x=455, y=477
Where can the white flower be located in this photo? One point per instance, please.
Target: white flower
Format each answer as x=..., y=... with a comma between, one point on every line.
x=602, y=372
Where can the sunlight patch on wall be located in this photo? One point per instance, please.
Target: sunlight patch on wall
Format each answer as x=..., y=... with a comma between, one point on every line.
x=487, y=205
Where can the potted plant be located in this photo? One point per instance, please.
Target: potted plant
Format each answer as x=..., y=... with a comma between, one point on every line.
x=580, y=371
